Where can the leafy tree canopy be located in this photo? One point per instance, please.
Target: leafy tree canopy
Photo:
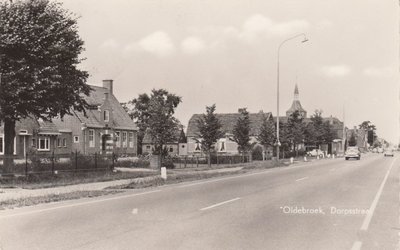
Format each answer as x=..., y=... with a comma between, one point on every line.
x=267, y=133
x=39, y=55
x=39, y=50
x=241, y=131
x=142, y=109
x=155, y=114
x=209, y=129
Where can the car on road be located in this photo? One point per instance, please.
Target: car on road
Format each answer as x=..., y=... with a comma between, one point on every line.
x=388, y=152
x=352, y=152
x=315, y=153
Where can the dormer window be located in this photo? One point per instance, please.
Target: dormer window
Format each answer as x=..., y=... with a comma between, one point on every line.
x=106, y=115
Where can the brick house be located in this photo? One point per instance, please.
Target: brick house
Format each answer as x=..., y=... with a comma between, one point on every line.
x=106, y=128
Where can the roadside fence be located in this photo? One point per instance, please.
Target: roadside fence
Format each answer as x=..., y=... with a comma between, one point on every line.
x=51, y=163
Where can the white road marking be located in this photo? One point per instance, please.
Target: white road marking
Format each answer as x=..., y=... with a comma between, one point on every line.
x=219, y=204
x=371, y=210
x=357, y=245
x=302, y=178
x=79, y=204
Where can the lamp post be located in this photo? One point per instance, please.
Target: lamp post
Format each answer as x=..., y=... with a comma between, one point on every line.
x=277, y=90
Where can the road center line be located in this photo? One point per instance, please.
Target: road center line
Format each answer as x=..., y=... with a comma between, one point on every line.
x=371, y=210
x=302, y=178
x=219, y=204
x=357, y=245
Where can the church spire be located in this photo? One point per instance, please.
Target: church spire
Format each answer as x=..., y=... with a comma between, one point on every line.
x=296, y=92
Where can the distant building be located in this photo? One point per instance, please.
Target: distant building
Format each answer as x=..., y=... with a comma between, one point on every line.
x=296, y=105
x=176, y=147
x=224, y=145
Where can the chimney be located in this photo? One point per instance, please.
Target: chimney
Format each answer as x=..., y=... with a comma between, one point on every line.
x=106, y=96
x=108, y=84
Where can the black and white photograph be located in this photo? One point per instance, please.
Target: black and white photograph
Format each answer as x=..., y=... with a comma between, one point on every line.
x=199, y=124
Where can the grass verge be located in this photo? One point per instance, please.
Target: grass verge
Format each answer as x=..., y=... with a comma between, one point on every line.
x=65, y=179
x=30, y=201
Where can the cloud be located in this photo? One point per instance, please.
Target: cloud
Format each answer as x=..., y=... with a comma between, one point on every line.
x=336, y=70
x=109, y=44
x=379, y=72
x=257, y=26
x=192, y=45
x=158, y=43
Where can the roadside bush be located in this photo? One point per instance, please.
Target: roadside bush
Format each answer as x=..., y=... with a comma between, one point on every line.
x=257, y=153
x=168, y=163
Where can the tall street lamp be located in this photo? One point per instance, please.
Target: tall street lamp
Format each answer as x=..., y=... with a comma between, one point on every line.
x=277, y=90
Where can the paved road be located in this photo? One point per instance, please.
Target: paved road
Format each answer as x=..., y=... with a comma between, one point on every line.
x=298, y=207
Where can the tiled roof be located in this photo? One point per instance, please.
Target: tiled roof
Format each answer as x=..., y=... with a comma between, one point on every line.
x=47, y=127
x=228, y=122
x=121, y=119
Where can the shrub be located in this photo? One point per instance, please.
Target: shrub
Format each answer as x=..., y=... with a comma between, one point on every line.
x=168, y=163
x=257, y=153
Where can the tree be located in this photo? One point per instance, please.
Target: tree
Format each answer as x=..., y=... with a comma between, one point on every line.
x=318, y=131
x=160, y=121
x=241, y=132
x=209, y=131
x=139, y=110
x=370, y=128
x=39, y=55
x=295, y=130
x=352, y=140
x=267, y=134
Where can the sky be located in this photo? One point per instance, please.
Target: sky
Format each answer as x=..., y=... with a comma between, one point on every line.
x=225, y=52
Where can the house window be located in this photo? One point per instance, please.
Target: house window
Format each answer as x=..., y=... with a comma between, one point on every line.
x=124, y=139
x=44, y=144
x=171, y=149
x=106, y=114
x=64, y=142
x=91, y=138
x=76, y=139
x=197, y=146
x=34, y=143
x=118, y=139
x=148, y=147
x=130, y=138
x=2, y=144
x=59, y=142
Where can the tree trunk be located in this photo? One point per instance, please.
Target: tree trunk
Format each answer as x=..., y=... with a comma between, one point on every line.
x=209, y=159
x=9, y=134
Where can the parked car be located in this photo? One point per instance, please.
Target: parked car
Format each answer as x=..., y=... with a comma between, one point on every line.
x=315, y=153
x=352, y=152
x=389, y=152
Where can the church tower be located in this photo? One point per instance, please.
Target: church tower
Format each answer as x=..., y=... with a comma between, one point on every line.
x=296, y=105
